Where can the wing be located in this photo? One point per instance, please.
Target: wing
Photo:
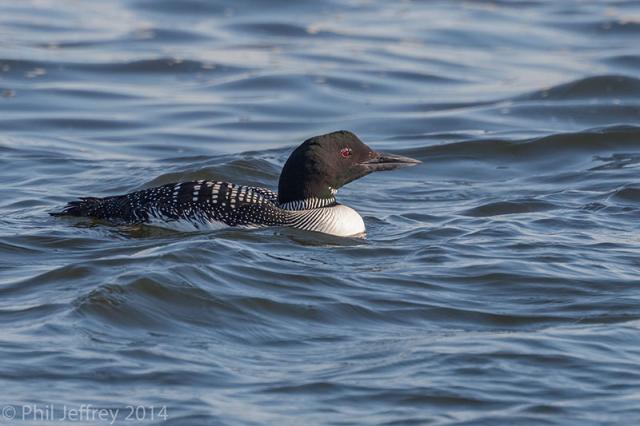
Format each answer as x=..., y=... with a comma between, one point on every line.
x=197, y=202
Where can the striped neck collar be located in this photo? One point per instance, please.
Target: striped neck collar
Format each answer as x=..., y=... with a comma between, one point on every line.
x=308, y=203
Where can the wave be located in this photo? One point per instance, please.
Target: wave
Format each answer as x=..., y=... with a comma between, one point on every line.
x=510, y=207
x=601, y=86
x=591, y=141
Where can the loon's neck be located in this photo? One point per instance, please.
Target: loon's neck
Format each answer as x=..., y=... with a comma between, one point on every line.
x=308, y=203
x=304, y=183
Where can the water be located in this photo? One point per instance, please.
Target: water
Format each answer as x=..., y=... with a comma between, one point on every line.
x=499, y=280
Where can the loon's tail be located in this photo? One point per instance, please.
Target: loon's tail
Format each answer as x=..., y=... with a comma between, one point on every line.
x=87, y=206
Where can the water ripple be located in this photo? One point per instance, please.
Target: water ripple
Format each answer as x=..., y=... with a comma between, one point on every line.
x=498, y=281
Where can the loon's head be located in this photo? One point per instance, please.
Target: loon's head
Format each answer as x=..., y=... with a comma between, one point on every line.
x=322, y=164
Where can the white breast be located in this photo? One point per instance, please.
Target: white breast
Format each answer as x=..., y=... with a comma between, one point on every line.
x=338, y=220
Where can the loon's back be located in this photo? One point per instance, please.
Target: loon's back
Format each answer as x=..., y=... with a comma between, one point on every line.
x=193, y=205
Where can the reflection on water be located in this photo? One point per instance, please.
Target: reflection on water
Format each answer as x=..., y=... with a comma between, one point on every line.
x=498, y=282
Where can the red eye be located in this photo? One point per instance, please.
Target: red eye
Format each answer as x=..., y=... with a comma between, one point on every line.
x=346, y=152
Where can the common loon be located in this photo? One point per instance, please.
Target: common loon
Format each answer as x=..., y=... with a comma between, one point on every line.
x=305, y=199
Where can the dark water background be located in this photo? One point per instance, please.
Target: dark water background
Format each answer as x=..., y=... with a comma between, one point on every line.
x=499, y=281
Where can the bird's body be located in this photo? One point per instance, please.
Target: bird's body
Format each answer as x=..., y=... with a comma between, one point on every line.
x=306, y=197
x=209, y=205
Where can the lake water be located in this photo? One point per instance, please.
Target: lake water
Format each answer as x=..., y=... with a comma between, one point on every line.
x=499, y=280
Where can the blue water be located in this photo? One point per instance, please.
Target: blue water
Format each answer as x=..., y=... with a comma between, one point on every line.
x=499, y=280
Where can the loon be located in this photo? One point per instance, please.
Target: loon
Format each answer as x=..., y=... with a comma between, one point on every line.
x=306, y=197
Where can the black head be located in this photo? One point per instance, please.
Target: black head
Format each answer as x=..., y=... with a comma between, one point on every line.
x=322, y=164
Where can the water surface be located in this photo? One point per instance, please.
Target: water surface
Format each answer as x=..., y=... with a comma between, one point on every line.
x=499, y=280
